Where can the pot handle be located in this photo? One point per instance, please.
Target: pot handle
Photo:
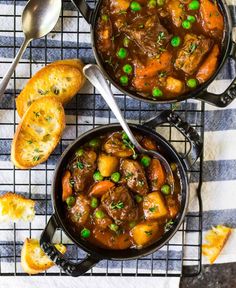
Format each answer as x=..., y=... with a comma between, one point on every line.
x=84, y=9
x=196, y=144
x=225, y=98
x=70, y=268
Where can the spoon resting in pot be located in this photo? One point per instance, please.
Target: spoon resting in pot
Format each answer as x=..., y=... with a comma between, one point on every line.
x=93, y=73
x=38, y=19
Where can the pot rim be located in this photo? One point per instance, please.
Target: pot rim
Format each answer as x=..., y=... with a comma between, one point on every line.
x=227, y=43
x=149, y=249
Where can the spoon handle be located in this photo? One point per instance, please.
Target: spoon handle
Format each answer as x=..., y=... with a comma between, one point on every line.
x=7, y=77
x=95, y=76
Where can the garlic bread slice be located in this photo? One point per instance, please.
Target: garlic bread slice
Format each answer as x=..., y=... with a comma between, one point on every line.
x=16, y=207
x=77, y=63
x=38, y=133
x=33, y=259
x=216, y=239
x=62, y=81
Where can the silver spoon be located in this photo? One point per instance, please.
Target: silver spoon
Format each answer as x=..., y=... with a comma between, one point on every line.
x=38, y=19
x=93, y=73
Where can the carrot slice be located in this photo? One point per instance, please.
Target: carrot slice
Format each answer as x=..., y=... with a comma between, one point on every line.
x=211, y=18
x=154, y=65
x=101, y=188
x=209, y=65
x=66, y=187
x=156, y=174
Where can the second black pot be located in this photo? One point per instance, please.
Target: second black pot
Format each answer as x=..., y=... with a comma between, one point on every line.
x=94, y=253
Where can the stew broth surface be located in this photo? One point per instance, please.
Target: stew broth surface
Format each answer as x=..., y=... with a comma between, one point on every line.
x=159, y=48
x=116, y=198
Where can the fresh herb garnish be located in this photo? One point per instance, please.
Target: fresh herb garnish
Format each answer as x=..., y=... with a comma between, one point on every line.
x=168, y=225
x=41, y=92
x=161, y=36
x=128, y=175
x=36, y=158
x=162, y=74
x=71, y=182
x=153, y=209
x=192, y=48
x=29, y=141
x=80, y=165
x=122, y=12
x=118, y=205
x=48, y=118
x=140, y=183
x=148, y=233
x=37, y=114
x=129, y=145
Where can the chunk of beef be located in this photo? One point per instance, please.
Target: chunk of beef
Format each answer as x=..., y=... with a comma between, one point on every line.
x=147, y=33
x=119, y=204
x=191, y=54
x=116, y=147
x=82, y=169
x=79, y=213
x=134, y=174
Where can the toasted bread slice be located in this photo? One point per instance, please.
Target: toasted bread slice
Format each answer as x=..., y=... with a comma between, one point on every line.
x=62, y=81
x=33, y=259
x=216, y=239
x=16, y=207
x=38, y=133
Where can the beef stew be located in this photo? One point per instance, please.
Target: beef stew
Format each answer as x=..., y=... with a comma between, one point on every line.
x=160, y=49
x=125, y=200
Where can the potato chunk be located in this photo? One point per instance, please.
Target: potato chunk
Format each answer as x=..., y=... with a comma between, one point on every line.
x=144, y=233
x=174, y=85
x=154, y=206
x=107, y=164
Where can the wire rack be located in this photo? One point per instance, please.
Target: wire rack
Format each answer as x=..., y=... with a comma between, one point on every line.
x=70, y=39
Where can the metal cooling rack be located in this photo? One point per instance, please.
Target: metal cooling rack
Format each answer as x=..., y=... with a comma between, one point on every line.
x=182, y=255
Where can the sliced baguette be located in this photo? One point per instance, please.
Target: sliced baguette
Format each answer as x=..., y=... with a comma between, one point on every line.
x=16, y=207
x=38, y=133
x=216, y=239
x=33, y=259
x=62, y=79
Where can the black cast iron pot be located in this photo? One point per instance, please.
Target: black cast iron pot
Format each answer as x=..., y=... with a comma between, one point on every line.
x=94, y=253
x=228, y=51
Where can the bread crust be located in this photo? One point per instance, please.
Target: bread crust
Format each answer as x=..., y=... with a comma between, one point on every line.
x=33, y=259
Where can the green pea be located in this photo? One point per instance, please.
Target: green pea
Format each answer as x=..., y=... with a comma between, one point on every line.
x=105, y=17
x=132, y=224
x=186, y=24
x=160, y=2
x=99, y=214
x=115, y=177
x=94, y=143
x=192, y=83
x=138, y=198
x=85, y=233
x=94, y=202
x=194, y=5
x=70, y=201
x=124, y=80
x=175, y=41
x=79, y=152
x=122, y=53
x=145, y=161
x=156, y=92
x=127, y=68
x=165, y=189
x=152, y=3
x=114, y=227
x=191, y=18
x=97, y=176
x=126, y=42
x=135, y=6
